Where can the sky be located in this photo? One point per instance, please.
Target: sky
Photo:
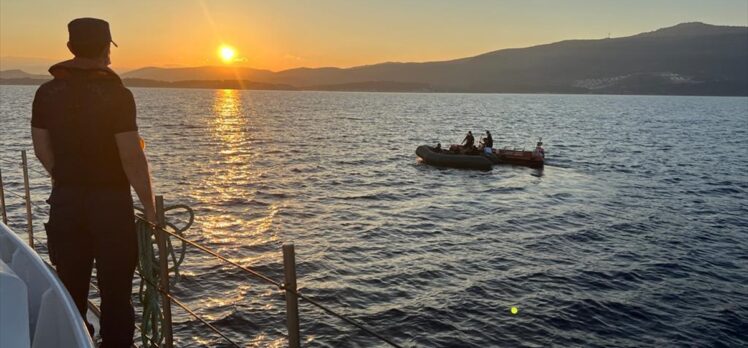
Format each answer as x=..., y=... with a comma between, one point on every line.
x=280, y=34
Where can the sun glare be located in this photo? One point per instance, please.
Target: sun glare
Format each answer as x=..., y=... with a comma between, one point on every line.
x=226, y=53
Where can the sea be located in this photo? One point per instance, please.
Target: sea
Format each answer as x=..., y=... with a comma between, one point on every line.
x=634, y=234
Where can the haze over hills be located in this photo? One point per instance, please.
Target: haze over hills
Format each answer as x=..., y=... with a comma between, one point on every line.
x=689, y=58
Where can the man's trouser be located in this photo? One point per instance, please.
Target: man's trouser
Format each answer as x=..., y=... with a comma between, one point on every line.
x=87, y=224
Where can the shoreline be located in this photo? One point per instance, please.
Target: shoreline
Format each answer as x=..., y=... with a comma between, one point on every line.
x=217, y=85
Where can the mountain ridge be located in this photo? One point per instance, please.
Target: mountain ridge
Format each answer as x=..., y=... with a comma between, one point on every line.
x=689, y=58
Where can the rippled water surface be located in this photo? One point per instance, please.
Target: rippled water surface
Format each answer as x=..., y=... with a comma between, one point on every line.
x=633, y=235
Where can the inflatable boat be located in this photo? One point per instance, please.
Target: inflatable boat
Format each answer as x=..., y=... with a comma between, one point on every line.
x=532, y=159
x=443, y=158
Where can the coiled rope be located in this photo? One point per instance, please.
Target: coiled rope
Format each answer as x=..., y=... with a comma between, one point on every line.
x=148, y=269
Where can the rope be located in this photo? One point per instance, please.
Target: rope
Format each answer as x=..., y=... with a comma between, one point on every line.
x=252, y=272
x=148, y=294
x=148, y=269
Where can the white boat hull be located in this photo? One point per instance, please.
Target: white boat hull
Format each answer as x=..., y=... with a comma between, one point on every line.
x=46, y=316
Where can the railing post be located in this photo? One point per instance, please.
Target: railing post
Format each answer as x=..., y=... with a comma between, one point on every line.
x=292, y=302
x=29, y=220
x=2, y=199
x=163, y=262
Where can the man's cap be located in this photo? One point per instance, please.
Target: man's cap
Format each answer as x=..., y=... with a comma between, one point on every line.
x=89, y=31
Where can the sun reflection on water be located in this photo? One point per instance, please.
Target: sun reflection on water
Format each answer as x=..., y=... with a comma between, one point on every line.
x=229, y=122
x=240, y=189
x=234, y=175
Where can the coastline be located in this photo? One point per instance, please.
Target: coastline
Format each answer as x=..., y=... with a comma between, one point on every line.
x=393, y=87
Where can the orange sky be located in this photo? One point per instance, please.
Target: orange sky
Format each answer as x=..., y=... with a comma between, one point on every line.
x=278, y=35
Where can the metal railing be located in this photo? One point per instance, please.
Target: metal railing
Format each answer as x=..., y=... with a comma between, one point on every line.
x=289, y=285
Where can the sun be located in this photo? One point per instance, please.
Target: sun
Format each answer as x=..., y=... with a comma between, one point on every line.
x=227, y=53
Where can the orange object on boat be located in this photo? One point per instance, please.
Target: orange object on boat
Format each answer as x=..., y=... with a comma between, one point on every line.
x=533, y=159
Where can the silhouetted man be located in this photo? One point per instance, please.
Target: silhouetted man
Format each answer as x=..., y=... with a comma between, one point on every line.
x=488, y=143
x=85, y=135
x=469, y=140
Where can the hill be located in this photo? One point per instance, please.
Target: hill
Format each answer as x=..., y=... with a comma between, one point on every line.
x=686, y=59
x=20, y=74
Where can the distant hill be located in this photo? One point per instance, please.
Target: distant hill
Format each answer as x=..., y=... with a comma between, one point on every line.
x=374, y=86
x=136, y=82
x=33, y=65
x=212, y=84
x=215, y=73
x=19, y=74
x=686, y=59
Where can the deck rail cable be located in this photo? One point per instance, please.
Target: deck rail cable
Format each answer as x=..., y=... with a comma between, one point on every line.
x=198, y=317
x=186, y=309
x=280, y=286
x=38, y=171
x=151, y=342
x=36, y=206
x=42, y=212
x=15, y=194
x=42, y=244
x=148, y=341
x=155, y=315
x=248, y=270
x=146, y=300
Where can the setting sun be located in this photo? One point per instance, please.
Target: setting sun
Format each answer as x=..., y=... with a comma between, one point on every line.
x=226, y=53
